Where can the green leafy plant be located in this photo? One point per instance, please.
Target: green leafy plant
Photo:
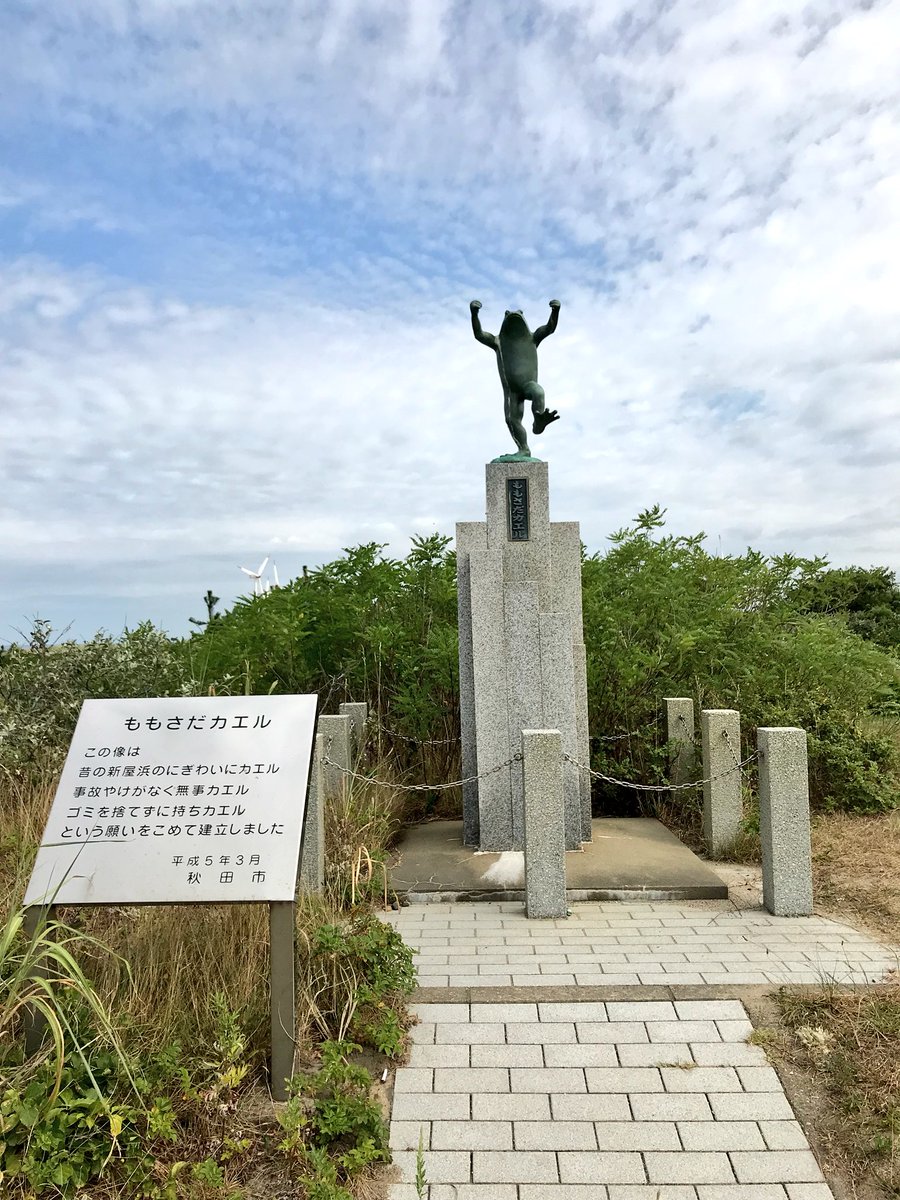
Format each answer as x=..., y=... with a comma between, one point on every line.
x=333, y=1127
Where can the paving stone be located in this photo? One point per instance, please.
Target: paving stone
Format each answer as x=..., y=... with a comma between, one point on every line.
x=688, y=1166
x=405, y=1135
x=555, y=1135
x=442, y=1166
x=741, y=1191
x=776, y=1166
x=648, y=1010
x=506, y=1056
x=608, y=1166
x=759, y=1079
x=584, y=1011
x=611, y=1031
x=474, y=1032
x=504, y=1012
x=654, y=1054
x=414, y=1079
x=544, y=980
x=728, y=1054
x=670, y=1106
x=540, y=1033
x=472, y=1191
x=598, y=1054
x=424, y=1107
x=471, y=1079
x=521, y=1107
x=472, y=1135
x=637, y=1135
x=590, y=1108
x=710, y=1010
x=562, y=1191
x=651, y=1192
x=683, y=1031
x=701, y=1079
x=623, y=1079
x=652, y=978
x=721, y=1135
x=519, y=1166
x=784, y=1135
x=755, y=1106
x=732, y=1031
x=442, y=1056
x=549, y=1080
x=607, y=979
x=809, y=1191
x=422, y=1035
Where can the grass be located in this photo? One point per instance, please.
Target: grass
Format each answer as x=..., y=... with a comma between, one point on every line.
x=856, y=870
x=197, y=978
x=849, y=1041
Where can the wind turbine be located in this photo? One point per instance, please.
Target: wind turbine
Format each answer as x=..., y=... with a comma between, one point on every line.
x=256, y=576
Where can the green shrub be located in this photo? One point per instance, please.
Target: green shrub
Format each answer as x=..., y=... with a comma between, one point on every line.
x=44, y=682
x=664, y=617
x=356, y=977
x=333, y=1127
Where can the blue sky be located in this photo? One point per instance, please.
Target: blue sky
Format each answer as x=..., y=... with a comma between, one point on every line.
x=238, y=240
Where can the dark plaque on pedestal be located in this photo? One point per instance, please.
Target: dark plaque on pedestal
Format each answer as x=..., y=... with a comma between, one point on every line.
x=517, y=509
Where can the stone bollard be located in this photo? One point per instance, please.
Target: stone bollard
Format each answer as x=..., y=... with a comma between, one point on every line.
x=784, y=822
x=720, y=737
x=312, y=854
x=545, y=824
x=358, y=714
x=336, y=734
x=680, y=735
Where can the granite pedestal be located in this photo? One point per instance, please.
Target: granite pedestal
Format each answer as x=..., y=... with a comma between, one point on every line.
x=521, y=654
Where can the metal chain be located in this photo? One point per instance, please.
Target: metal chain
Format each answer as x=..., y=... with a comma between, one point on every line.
x=692, y=735
x=654, y=787
x=730, y=747
x=404, y=737
x=620, y=737
x=420, y=787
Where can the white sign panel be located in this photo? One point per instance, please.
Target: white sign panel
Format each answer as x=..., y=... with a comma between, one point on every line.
x=165, y=801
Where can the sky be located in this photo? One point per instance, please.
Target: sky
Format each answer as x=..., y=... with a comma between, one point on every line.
x=238, y=241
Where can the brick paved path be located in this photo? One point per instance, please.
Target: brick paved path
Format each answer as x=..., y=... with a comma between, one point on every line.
x=606, y=1099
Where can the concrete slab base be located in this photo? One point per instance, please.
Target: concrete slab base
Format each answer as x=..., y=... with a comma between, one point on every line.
x=629, y=858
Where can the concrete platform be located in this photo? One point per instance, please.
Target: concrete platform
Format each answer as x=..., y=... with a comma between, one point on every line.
x=630, y=858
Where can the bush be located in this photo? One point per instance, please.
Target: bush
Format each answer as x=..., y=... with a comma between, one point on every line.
x=363, y=627
x=664, y=617
x=43, y=685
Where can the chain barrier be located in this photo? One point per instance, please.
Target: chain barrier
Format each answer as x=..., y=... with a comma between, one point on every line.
x=691, y=734
x=420, y=787
x=730, y=747
x=404, y=737
x=658, y=787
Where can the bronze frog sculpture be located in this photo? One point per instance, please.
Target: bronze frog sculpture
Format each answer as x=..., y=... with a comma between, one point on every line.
x=516, y=350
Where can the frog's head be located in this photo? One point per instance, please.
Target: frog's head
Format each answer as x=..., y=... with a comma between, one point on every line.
x=514, y=322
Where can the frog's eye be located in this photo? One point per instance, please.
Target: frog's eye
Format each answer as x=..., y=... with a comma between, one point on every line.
x=519, y=311
x=506, y=314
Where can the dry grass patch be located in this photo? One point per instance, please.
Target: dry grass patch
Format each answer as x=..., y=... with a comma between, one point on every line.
x=856, y=871
x=848, y=1043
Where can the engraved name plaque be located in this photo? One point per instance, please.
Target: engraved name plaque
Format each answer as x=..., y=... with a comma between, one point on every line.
x=517, y=509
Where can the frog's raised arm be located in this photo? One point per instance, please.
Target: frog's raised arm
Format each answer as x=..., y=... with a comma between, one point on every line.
x=486, y=339
x=545, y=330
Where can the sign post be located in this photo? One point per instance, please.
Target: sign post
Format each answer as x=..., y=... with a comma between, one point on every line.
x=187, y=800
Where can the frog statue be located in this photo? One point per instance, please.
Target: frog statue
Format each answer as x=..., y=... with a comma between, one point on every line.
x=516, y=350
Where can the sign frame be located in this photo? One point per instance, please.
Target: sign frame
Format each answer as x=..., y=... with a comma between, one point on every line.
x=282, y=911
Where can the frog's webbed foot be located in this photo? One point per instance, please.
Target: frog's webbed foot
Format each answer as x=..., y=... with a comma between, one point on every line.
x=543, y=419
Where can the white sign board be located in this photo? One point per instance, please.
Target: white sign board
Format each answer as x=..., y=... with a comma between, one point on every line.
x=167, y=801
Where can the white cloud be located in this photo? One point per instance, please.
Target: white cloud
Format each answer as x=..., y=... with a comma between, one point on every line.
x=712, y=188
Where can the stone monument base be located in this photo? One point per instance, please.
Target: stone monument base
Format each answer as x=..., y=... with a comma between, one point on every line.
x=628, y=858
